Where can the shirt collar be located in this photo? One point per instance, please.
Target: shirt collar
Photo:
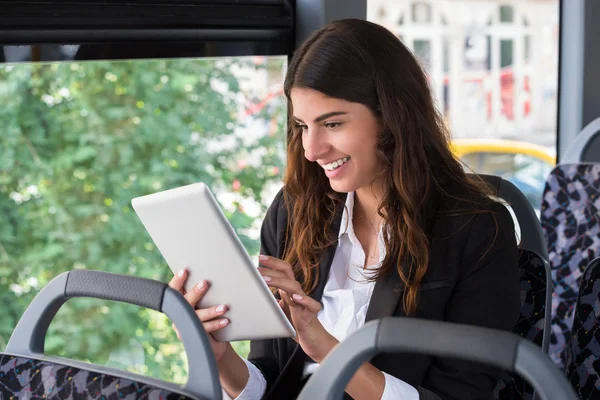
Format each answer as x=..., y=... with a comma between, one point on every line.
x=348, y=231
x=347, y=216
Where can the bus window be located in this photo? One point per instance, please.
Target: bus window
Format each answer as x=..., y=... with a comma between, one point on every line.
x=82, y=138
x=493, y=66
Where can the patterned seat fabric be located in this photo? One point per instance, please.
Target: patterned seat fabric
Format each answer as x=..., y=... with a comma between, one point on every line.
x=531, y=320
x=583, y=351
x=24, y=378
x=570, y=217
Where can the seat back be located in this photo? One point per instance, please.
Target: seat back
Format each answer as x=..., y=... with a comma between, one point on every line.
x=25, y=372
x=531, y=233
x=533, y=323
x=570, y=217
x=535, y=285
x=583, y=350
x=25, y=377
x=586, y=146
x=438, y=339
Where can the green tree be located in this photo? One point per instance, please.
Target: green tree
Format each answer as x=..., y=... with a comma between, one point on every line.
x=79, y=141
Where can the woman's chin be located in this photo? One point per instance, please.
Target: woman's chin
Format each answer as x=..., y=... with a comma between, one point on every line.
x=341, y=187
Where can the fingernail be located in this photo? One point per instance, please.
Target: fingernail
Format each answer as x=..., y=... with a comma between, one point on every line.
x=223, y=322
x=181, y=273
x=296, y=297
x=200, y=285
x=267, y=278
x=263, y=258
x=220, y=309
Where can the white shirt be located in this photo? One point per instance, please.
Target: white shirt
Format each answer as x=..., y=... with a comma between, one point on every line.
x=345, y=300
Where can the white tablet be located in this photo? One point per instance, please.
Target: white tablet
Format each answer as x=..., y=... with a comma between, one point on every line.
x=190, y=230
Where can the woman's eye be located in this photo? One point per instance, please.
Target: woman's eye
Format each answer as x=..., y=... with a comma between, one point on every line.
x=300, y=126
x=332, y=125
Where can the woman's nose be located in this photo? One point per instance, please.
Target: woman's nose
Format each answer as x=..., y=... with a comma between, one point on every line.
x=314, y=146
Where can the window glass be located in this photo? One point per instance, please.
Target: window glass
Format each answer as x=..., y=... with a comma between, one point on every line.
x=493, y=66
x=526, y=172
x=81, y=139
x=506, y=53
x=422, y=49
x=506, y=14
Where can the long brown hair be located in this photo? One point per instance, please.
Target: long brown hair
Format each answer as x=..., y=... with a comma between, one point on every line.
x=361, y=62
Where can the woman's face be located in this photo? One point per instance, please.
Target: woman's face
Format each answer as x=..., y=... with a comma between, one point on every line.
x=338, y=135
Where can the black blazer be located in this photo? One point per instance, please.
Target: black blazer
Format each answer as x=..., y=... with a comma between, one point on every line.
x=472, y=279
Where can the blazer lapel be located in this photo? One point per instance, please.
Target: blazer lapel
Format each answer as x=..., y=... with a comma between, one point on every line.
x=389, y=290
x=324, y=267
x=386, y=295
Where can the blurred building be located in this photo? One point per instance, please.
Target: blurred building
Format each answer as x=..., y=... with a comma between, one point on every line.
x=493, y=64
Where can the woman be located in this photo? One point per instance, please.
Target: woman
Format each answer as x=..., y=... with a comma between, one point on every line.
x=376, y=219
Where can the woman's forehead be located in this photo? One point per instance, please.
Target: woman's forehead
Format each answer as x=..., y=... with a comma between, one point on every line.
x=310, y=101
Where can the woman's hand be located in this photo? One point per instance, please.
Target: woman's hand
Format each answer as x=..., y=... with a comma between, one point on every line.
x=300, y=309
x=211, y=318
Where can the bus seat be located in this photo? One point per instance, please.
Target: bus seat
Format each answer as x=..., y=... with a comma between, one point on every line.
x=583, y=350
x=531, y=233
x=535, y=285
x=570, y=217
x=534, y=320
x=586, y=146
x=25, y=372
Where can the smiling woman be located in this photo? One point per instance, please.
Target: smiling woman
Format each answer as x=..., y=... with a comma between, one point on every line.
x=376, y=218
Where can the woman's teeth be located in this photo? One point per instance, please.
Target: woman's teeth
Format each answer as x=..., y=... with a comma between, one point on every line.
x=336, y=164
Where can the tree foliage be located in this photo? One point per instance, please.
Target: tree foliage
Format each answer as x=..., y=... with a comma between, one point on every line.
x=79, y=141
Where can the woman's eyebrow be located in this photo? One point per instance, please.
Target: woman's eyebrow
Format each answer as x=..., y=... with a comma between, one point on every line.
x=324, y=116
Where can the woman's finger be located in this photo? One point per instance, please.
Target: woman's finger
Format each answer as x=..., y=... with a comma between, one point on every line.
x=293, y=296
x=311, y=304
x=196, y=293
x=272, y=272
x=178, y=281
x=285, y=308
x=277, y=264
x=207, y=314
x=287, y=299
x=215, y=325
x=289, y=285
